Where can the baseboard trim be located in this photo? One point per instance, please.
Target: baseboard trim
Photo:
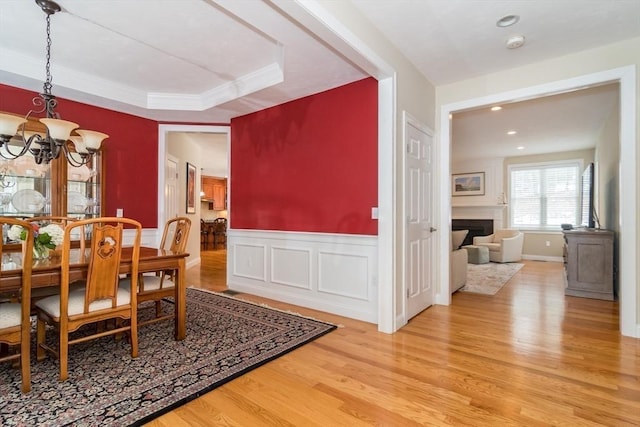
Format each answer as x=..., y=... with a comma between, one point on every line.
x=543, y=258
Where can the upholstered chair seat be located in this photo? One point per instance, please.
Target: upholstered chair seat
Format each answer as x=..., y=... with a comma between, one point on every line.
x=10, y=315
x=51, y=305
x=153, y=283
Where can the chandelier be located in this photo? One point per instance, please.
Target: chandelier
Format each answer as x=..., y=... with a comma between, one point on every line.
x=16, y=140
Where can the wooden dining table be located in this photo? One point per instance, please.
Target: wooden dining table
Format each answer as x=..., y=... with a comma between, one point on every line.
x=47, y=273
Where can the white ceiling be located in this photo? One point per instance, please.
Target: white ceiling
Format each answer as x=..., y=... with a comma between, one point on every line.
x=563, y=122
x=212, y=60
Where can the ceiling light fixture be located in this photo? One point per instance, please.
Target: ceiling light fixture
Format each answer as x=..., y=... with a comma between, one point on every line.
x=53, y=143
x=496, y=108
x=511, y=132
x=520, y=147
x=507, y=21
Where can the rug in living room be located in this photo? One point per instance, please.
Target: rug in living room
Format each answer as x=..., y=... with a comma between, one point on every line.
x=489, y=278
x=226, y=337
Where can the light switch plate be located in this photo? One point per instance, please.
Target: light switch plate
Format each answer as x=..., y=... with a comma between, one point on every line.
x=119, y=212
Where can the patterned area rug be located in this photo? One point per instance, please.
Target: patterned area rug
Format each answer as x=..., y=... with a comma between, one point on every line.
x=226, y=338
x=489, y=278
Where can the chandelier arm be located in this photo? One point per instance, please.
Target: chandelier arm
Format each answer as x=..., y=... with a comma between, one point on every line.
x=26, y=147
x=73, y=161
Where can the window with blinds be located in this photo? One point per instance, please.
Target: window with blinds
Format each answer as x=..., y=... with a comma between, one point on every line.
x=545, y=195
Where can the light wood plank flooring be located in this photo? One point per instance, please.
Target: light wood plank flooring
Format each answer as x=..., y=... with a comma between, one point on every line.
x=528, y=356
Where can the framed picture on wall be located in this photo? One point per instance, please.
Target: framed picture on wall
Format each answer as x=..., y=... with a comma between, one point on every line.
x=191, y=188
x=467, y=184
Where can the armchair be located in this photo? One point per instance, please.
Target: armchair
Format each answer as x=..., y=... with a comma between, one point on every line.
x=457, y=261
x=504, y=245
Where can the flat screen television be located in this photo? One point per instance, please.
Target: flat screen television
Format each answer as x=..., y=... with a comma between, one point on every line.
x=588, y=218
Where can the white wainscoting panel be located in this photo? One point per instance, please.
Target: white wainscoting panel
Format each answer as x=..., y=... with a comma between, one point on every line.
x=344, y=274
x=336, y=273
x=148, y=237
x=291, y=267
x=250, y=261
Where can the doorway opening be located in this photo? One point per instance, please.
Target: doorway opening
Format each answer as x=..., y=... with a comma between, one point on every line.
x=206, y=147
x=626, y=78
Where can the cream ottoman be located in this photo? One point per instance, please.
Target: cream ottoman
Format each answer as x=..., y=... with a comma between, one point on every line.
x=477, y=254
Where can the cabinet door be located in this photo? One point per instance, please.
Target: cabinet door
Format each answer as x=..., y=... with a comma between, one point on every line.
x=207, y=188
x=84, y=195
x=220, y=195
x=25, y=188
x=55, y=189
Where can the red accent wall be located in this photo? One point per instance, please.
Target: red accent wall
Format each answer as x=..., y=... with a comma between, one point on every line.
x=131, y=152
x=308, y=165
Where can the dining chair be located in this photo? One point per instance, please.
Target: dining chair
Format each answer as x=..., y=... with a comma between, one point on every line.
x=219, y=232
x=101, y=298
x=155, y=287
x=62, y=221
x=204, y=234
x=79, y=237
x=15, y=323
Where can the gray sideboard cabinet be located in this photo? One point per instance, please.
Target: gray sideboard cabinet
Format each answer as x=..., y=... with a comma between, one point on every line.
x=588, y=263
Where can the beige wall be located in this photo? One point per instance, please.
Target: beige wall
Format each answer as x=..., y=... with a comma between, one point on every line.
x=607, y=197
x=607, y=175
x=543, y=246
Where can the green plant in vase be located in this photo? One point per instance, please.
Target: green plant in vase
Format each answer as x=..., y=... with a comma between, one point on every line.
x=45, y=238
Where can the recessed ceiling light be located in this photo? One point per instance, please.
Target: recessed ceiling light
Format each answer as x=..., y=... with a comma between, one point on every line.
x=511, y=132
x=520, y=147
x=507, y=21
x=496, y=108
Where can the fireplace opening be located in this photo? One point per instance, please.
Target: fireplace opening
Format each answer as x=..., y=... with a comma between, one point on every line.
x=476, y=227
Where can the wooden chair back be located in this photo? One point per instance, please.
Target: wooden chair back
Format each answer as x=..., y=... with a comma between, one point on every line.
x=105, y=252
x=62, y=220
x=181, y=226
x=16, y=328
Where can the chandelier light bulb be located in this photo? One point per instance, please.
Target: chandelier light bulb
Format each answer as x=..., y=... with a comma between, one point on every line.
x=91, y=138
x=9, y=124
x=59, y=129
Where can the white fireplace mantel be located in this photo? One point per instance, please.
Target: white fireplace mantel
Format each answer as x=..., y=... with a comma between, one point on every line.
x=494, y=212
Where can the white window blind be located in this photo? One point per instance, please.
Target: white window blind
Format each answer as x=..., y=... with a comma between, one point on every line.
x=543, y=196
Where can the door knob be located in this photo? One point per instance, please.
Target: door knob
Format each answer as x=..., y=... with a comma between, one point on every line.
x=432, y=229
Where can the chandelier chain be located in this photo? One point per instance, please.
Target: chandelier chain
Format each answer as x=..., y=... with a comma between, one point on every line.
x=47, y=83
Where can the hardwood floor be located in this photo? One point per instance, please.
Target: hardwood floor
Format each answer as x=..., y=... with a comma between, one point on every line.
x=526, y=356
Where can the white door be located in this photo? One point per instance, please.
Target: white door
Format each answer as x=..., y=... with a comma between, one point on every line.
x=419, y=227
x=171, y=195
